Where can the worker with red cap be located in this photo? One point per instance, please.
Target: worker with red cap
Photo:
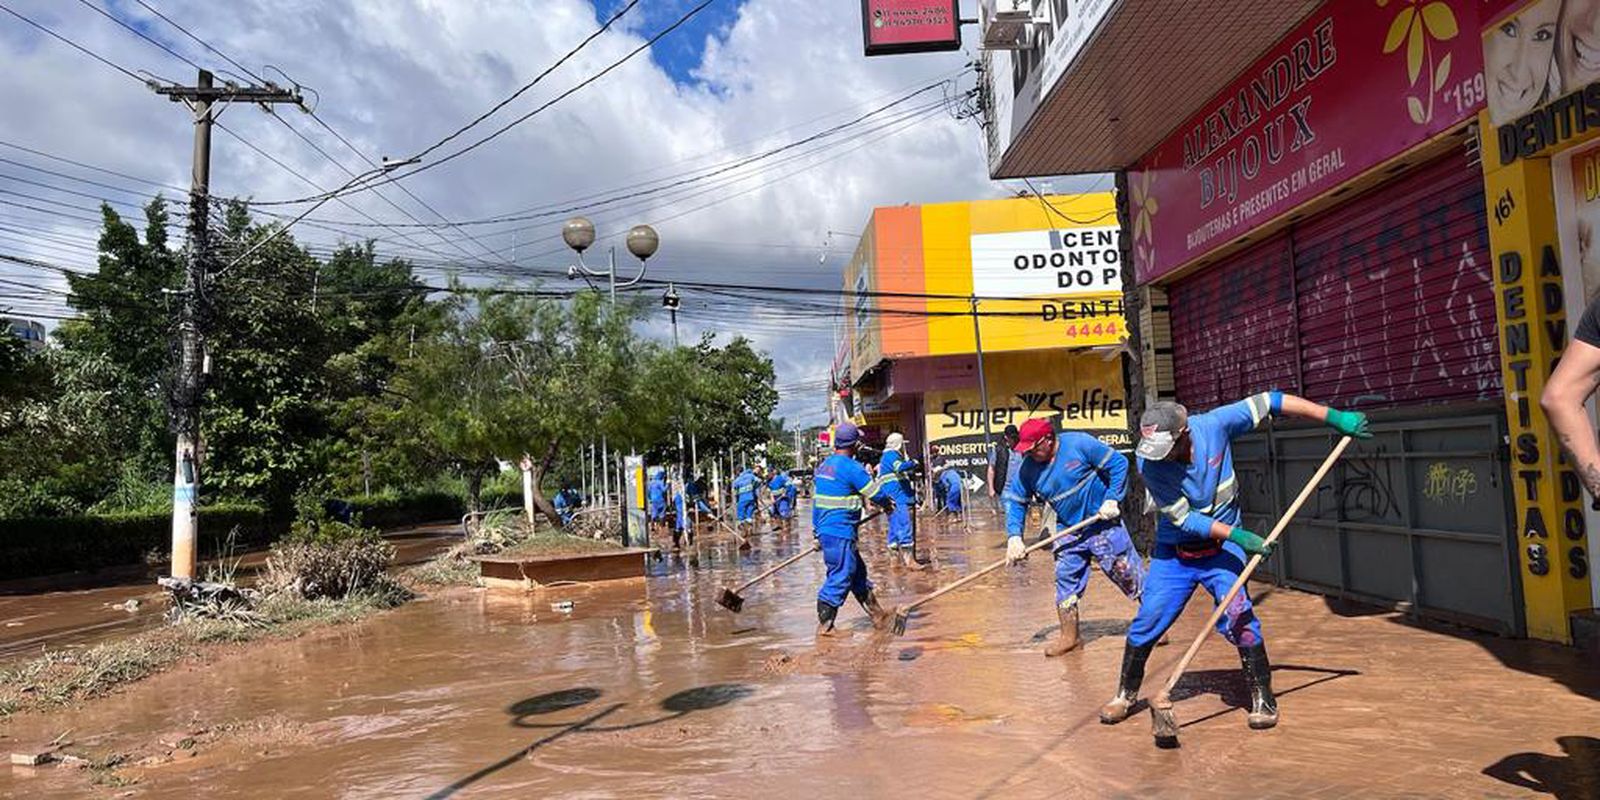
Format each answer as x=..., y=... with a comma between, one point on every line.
x=1080, y=478
x=841, y=488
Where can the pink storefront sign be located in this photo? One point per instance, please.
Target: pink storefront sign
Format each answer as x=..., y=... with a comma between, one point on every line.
x=1358, y=83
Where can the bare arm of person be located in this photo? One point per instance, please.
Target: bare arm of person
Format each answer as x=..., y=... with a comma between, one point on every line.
x=1575, y=379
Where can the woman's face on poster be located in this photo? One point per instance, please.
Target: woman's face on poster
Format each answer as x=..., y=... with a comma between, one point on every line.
x=1578, y=44
x=1517, y=59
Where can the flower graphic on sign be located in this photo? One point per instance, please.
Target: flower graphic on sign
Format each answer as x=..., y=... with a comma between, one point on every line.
x=1418, y=27
x=1145, y=208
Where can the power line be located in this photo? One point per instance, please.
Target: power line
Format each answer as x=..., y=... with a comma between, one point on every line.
x=74, y=45
x=519, y=120
x=141, y=34
x=202, y=42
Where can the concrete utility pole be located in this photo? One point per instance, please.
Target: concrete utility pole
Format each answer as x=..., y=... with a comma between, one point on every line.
x=187, y=386
x=983, y=384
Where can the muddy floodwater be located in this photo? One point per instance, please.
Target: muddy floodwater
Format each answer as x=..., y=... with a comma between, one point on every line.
x=649, y=689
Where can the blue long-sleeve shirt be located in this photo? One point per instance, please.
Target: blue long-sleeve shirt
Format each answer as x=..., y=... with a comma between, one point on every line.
x=841, y=485
x=779, y=484
x=892, y=469
x=1190, y=496
x=656, y=493
x=1083, y=475
x=744, y=487
x=950, y=481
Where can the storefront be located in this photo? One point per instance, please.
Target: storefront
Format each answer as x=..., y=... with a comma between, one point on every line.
x=1542, y=186
x=1033, y=284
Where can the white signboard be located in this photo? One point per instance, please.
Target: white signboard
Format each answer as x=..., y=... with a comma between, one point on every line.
x=1052, y=263
x=1021, y=79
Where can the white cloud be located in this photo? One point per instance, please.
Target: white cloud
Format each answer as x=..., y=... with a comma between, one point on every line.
x=395, y=75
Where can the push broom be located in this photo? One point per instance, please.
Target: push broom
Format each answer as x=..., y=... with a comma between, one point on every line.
x=733, y=599
x=902, y=615
x=1164, y=721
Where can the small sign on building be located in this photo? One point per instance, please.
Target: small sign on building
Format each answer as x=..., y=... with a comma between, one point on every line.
x=894, y=27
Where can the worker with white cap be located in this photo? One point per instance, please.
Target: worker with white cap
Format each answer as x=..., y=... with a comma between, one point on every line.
x=894, y=470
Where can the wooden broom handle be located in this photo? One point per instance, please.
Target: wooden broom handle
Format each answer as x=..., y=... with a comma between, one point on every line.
x=1250, y=566
x=1002, y=562
x=784, y=563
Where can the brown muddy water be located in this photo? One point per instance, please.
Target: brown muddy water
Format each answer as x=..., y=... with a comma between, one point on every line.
x=31, y=620
x=649, y=689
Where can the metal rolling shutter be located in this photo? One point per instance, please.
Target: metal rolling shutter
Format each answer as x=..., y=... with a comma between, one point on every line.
x=1395, y=294
x=1232, y=325
x=1389, y=303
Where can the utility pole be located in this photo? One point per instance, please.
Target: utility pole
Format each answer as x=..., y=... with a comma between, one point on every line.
x=983, y=384
x=187, y=386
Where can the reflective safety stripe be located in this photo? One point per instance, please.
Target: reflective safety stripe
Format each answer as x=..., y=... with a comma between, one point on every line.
x=875, y=486
x=1177, y=512
x=1225, y=494
x=1110, y=454
x=848, y=502
x=1260, y=406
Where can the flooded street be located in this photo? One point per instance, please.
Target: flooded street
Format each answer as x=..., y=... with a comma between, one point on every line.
x=34, y=620
x=649, y=689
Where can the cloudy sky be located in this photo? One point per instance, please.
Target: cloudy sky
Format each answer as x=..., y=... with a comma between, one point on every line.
x=395, y=76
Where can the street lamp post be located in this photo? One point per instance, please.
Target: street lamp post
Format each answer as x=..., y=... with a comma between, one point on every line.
x=670, y=301
x=579, y=234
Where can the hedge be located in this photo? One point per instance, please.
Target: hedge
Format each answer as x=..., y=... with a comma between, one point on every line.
x=31, y=546
x=398, y=511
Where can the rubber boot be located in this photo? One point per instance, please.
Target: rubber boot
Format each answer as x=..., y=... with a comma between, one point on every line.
x=880, y=617
x=825, y=616
x=1121, y=705
x=1258, y=675
x=1067, y=641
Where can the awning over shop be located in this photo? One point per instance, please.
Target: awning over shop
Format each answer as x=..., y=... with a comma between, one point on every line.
x=1114, y=87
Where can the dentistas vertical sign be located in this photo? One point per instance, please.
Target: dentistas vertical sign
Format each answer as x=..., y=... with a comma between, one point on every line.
x=1356, y=84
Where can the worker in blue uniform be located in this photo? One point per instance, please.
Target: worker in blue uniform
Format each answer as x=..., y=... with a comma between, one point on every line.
x=1080, y=478
x=1187, y=466
x=745, y=485
x=682, y=523
x=950, y=489
x=782, y=489
x=894, y=470
x=566, y=504
x=657, y=496
x=840, y=489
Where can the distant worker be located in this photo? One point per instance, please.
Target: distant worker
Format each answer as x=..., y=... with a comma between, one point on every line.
x=894, y=472
x=1003, y=467
x=841, y=488
x=682, y=523
x=566, y=503
x=782, y=488
x=1080, y=478
x=950, y=488
x=745, y=486
x=697, y=493
x=657, y=496
x=1187, y=465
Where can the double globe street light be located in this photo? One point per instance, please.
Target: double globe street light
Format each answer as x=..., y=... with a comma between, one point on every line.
x=578, y=233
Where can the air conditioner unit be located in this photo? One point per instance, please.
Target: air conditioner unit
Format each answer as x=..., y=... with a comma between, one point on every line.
x=1009, y=27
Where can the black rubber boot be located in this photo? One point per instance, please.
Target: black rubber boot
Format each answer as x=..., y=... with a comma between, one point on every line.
x=1133, y=659
x=1258, y=675
x=825, y=616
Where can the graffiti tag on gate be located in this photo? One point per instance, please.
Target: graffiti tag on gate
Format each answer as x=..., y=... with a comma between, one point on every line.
x=1446, y=485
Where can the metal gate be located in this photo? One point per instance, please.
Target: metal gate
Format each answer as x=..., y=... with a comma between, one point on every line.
x=1414, y=519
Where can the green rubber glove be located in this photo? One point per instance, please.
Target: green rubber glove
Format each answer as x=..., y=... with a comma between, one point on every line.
x=1252, y=544
x=1349, y=423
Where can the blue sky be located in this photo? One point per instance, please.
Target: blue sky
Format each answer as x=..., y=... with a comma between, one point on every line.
x=679, y=53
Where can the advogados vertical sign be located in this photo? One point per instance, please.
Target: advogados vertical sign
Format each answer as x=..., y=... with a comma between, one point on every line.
x=1358, y=83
